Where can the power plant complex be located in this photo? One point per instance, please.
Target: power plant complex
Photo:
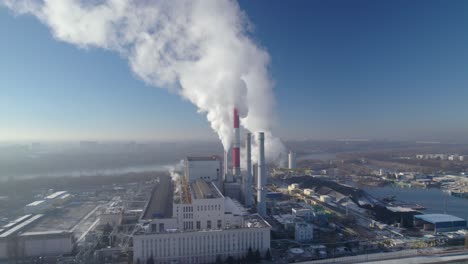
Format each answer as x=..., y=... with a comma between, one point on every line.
x=199, y=217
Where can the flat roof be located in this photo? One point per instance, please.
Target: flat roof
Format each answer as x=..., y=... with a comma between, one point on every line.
x=49, y=232
x=20, y=226
x=204, y=190
x=17, y=220
x=160, y=202
x=400, y=209
x=203, y=158
x=55, y=195
x=65, y=196
x=437, y=218
x=36, y=203
x=255, y=221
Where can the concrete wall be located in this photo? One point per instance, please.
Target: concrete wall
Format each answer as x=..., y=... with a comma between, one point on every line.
x=45, y=245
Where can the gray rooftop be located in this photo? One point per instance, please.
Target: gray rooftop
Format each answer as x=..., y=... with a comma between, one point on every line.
x=205, y=158
x=19, y=227
x=437, y=218
x=204, y=190
x=47, y=233
x=160, y=203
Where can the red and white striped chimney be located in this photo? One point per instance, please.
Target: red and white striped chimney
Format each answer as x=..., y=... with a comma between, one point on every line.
x=236, y=146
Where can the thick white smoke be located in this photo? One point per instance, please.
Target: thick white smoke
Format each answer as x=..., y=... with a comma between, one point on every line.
x=198, y=48
x=176, y=171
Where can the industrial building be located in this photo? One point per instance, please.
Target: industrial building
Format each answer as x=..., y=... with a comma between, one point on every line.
x=9, y=248
x=303, y=232
x=205, y=168
x=57, y=198
x=439, y=222
x=37, y=207
x=113, y=213
x=47, y=243
x=203, y=225
x=199, y=218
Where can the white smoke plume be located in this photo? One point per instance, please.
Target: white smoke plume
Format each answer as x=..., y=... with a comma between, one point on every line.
x=175, y=172
x=200, y=49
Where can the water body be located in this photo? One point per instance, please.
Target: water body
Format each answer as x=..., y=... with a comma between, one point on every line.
x=433, y=199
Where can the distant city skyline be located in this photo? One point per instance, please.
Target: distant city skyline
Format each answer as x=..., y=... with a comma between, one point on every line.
x=343, y=70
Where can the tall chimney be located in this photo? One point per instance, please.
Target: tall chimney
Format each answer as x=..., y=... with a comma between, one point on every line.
x=261, y=184
x=236, y=146
x=248, y=176
x=226, y=171
x=291, y=160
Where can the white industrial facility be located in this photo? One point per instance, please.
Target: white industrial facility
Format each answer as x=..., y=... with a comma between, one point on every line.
x=194, y=222
x=201, y=226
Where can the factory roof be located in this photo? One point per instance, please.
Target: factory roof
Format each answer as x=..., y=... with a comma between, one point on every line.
x=18, y=228
x=35, y=203
x=437, y=218
x=55, y=195
x=204, y=190
x=234, y=207
x=17, y=221
x=255, y=221
x=400, y=209
x=160, y=202
x=65, y=196
x=204, y=158
x=48, y=232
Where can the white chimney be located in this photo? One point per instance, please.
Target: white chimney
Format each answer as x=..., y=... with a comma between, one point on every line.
x=248, y=176
x=261, y=184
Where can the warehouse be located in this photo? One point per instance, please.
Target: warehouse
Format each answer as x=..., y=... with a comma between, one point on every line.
x=47, y=243
x=439, y=222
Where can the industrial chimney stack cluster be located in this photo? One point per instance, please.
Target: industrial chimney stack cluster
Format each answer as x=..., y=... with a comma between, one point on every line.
x=230, y=177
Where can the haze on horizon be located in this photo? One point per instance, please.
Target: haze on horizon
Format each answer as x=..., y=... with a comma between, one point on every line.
x=364, y=70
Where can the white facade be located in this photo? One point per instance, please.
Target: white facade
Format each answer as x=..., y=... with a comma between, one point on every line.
x=304, y=232
x=205, y=168
x=199, y=246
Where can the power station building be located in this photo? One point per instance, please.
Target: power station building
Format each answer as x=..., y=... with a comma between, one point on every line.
x=198, y=218
x=200, y=226
x=204, y=168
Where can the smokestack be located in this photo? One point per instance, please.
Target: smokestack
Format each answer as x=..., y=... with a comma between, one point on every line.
x=248, y=175
x=227, y=173
x=261, y=183
x=292, y=160
x=236, y=146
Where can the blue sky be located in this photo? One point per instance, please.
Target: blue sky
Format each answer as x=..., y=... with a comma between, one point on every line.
x=343, y=69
